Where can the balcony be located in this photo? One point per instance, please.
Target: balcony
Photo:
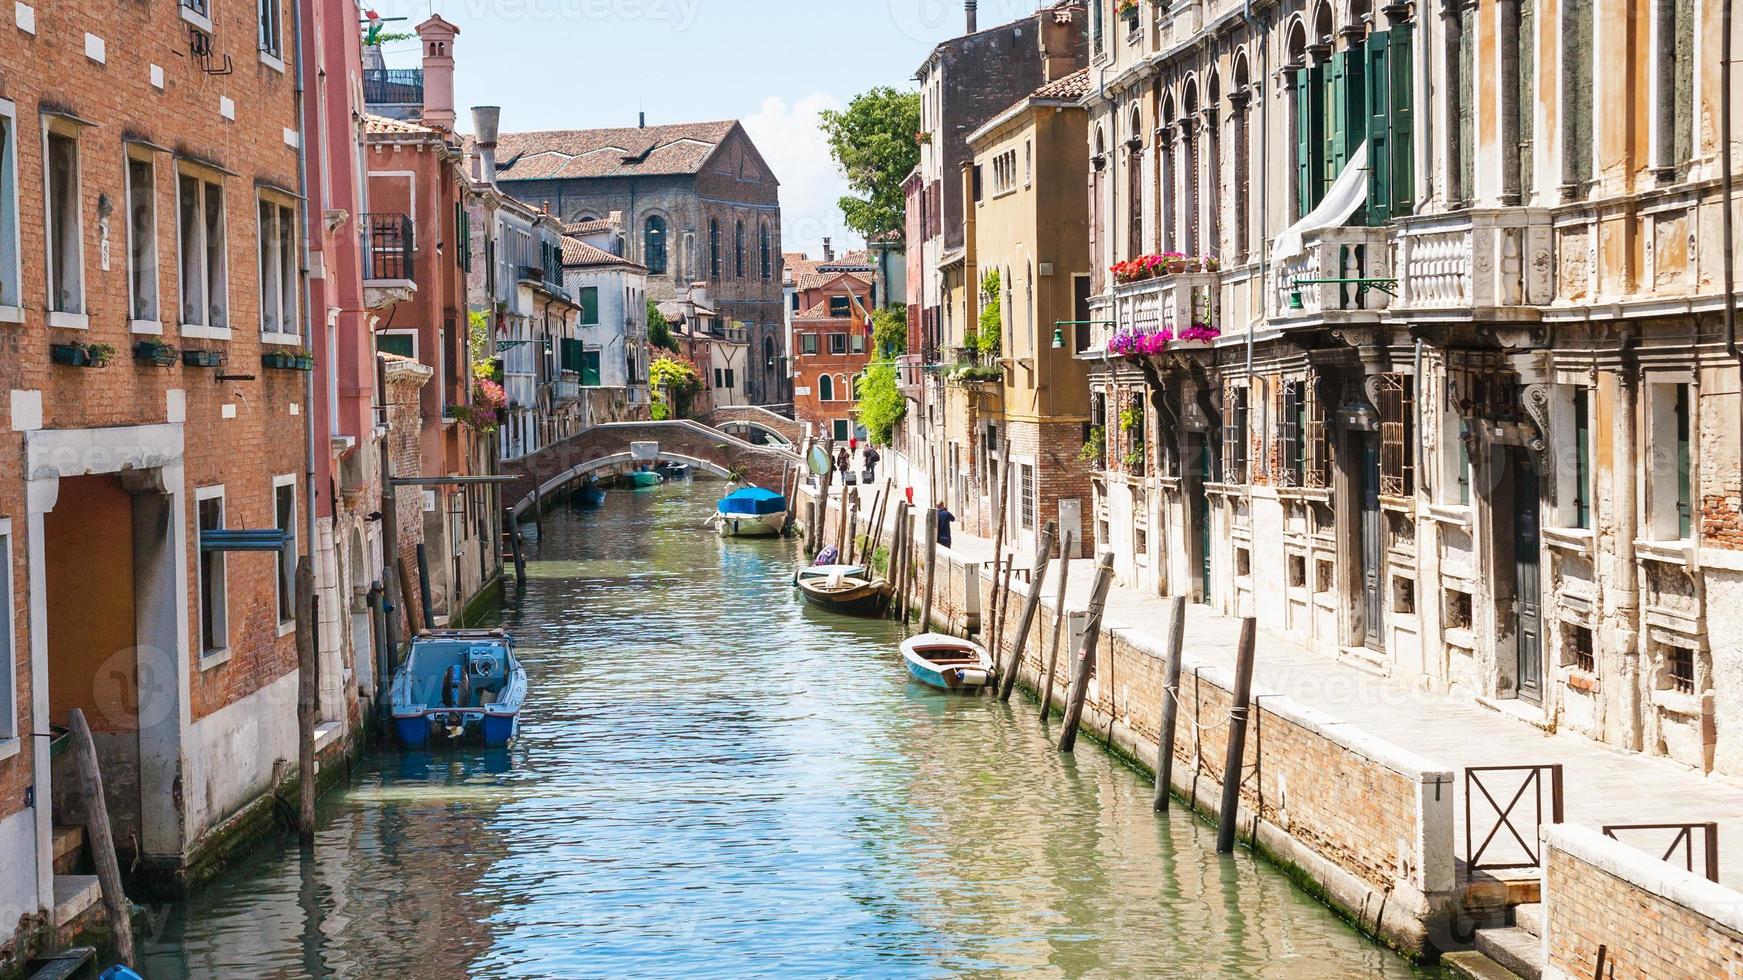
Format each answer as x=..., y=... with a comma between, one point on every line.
x=1332, y=280
x=1471, y=265
x=1179, y=306
x=384, y=86
x=388, y=240
x=910, y=373
x=566, y=389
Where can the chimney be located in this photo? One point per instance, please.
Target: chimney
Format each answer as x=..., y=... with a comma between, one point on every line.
x=485, y=122
x=641, y=120
x=828, y=251
x=1062, y=49
x=438, y=36
x=968, y=7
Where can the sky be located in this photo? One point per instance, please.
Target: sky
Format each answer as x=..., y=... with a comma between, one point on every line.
x=773, y=64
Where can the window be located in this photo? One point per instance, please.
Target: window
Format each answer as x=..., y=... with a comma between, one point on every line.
x=719, y=378
x=1028, y=162
x=1389, y=114
x=8, y=656
x=825, y=388
x=1397, y=445
x=1576, y=97
x=838, y=343
x=66, y=260
x=284, y=509
x=1580, y=649
x=856, y=342
x=142, y=241
x=808, y=343
x=1005, y=172
x=1674, y=80
x=654, y=245
x=1464, y=107
x=401, y=342
x=975, y=183
x=10, y=286
x=271, y=28
x=840, y=306
x=1026, y=498
x=1235, y=435
x=590, y=368
x=214, y=611
x=1671, y=409
x=1582, y=459
x=840, y=430
x=1289, y=428
x=1316, y=457
x=1679, y=669
x=729, y=382
x=588, y=297
x=278, y=269
x=205, y=278
x=738, y=249
x=763, y=254
x=713, y=249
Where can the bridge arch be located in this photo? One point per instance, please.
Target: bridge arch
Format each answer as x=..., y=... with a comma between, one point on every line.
x=614, y=463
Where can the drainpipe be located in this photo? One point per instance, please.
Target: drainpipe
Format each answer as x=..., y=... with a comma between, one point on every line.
x=1725, y=182
x=308, y=317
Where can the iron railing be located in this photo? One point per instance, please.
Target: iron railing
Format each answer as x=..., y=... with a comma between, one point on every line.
x=385, y=86
x=387, y=245
x=1504, y=815
x=1684, y=839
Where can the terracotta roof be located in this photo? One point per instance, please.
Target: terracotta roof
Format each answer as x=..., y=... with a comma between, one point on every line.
x=1070, y=88
x=578, y=253
x=818, y=312
x=577, y=153
x=588, y=227
x=374, y=125
x=817, y=280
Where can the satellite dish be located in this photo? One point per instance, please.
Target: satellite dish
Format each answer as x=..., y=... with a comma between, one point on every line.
x=818, y=461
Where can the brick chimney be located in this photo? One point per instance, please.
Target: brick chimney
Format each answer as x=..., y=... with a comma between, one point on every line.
x=969, y=8
x=1062, y=40
x=828, y=251
x=438, y=36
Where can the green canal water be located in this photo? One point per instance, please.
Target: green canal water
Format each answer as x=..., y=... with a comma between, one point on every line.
x=714, y=780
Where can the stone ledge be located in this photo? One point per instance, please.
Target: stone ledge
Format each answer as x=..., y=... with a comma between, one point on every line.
x=1640, y=869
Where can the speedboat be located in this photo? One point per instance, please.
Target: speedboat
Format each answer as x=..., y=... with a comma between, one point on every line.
x=642, y=478
x=750, y=513
x=458, y=685
x=849, y=595
x=947, y=663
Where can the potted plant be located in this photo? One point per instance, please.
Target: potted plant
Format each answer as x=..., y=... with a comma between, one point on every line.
x=1094, y=447
x=81, y=355
x=286, y=360
x=151, y=350
x=204, y=358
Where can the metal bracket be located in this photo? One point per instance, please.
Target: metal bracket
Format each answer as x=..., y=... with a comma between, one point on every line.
x=200, y=46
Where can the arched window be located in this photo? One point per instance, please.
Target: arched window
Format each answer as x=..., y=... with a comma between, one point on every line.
x=825, y=388
x=654, y=245
x=1213, y=243
x=763, y=251
x=1238, y=99
x=1189, y=148
x=738, y=250
x=853, y=381
x=1135, y=185
x=713, y=249
x=1170, y=170
x=842, y=389
x=769, y=353
x=1098, y=163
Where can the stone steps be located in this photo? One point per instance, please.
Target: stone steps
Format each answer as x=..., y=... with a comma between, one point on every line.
x=69, y=845
x=1473, y=965
x=74, y=895
x=1514, y=949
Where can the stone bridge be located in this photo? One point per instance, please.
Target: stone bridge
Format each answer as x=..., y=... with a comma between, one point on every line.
x=605, y=449
x=756, y=424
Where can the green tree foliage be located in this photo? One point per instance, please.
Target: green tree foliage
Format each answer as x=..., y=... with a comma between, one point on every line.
x=874, y=141
x=673, y=377
x=659, y=331
x=991, y=320
x=881, y=405
x=890, y=331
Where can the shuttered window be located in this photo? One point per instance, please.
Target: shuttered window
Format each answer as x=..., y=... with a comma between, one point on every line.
x=1235, y=436
x=1289, y=429
x=589, y=299
x=1310, y=133
x=1388, y=112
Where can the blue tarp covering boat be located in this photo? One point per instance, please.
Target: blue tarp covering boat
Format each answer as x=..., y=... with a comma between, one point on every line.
x=753, y=502
x=750, y=513
x=459, y=684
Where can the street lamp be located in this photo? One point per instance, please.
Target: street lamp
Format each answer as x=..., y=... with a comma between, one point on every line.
x=1058, y=337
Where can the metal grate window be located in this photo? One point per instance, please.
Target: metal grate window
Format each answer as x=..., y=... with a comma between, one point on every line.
x=1679, y=667
x=1026, y=506
x=1289, y=431
x=1235, y=435
x=1582, y=649
x=1316, y=456
x=1397, y=454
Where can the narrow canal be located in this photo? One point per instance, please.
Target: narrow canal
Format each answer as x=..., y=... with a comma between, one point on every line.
x=714, y=780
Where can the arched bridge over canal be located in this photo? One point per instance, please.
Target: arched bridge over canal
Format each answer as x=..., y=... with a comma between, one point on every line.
x=757, y=424
x=605, y=449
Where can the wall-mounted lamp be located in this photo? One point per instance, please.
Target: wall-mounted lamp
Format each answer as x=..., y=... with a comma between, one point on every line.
x=1058, y=338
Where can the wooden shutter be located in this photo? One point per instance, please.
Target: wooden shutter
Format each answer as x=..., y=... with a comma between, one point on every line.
x=1337, y=122
x=1401, y=140
x=1316, y=127
x=589, y=304
x=570, y=354
x=1378, y=79
x=1305, y=181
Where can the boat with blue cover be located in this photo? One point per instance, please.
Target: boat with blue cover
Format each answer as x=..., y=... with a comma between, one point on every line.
x=751, y=512
x=459, y=685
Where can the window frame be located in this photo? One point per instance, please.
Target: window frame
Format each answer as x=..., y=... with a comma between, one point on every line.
x=203, y=179
x=808, y=345
x=399, y=332
x=826, y=387
x=270, y=44
x=55, y=127
x=285, y=579
x=581, y=293
x=10, y=216
x=837, y=343
x=662, y=266
x=211, y=656
x=287, y=274
x=133, y=155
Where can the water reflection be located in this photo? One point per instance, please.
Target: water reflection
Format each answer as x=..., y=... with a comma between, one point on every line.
x=715, y=780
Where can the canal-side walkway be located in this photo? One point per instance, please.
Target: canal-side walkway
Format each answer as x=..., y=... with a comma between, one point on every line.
x=1602, y=785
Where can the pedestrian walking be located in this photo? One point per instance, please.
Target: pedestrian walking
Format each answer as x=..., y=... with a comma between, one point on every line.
x=871, y=464
x=945, y=519
x=841, y=462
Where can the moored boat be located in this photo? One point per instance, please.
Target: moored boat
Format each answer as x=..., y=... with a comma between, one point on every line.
x=751, y=512
x=459, y=685
x=673, y=471
x=642, y=478
x=824, y=571
x=947, y=663
x=592, y=495
x=848, y=595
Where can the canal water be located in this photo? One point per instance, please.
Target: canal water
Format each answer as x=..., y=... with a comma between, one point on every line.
x=714, y=780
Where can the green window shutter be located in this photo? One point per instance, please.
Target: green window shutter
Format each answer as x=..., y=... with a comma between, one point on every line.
x=1314, y=186
x=1401, y=142
x=1355, y=115
x=1336, y=123
x=589, y=368
x=1378, y=78
x=1304, y=179
x=396, y=343
x=571, y=354
x=589, y=304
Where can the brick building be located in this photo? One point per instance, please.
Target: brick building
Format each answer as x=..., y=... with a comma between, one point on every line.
x=150, y=221
x=700, y=205
x=831, y=345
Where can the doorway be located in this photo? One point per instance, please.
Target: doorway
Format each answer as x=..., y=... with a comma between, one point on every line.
x=1372, y=550
x=1524, y=533
x=1199, y=471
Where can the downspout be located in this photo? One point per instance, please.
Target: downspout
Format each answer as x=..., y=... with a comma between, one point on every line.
x=1725, y=182
x=308, y=317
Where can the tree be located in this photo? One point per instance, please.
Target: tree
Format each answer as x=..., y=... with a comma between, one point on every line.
x=881, y=403
x=659, y=331
x=673, y=376
x=876, y=144
x=991, y=318
x=890, y=332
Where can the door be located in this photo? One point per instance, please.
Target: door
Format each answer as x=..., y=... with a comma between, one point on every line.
x=1527, y=591
x=1373, y=546
x=1199, y=464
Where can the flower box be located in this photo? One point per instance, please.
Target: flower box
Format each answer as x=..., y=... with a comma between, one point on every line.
x=156, y=353
x=280, y=360
x=205, y=358
x=69, y=355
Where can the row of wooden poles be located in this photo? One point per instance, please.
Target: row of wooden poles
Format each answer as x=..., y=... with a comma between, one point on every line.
x=905, y=577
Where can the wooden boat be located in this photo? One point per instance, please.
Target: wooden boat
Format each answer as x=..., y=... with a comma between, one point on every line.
x=825, y=571
x=673, y=471
x=848, y=595
x=458, y=685
x=592, y=495
x=750, y=513
x=642, y=478
x=947, y=663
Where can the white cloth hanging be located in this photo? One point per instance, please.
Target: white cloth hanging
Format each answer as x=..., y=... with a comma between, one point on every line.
x=1347, y=193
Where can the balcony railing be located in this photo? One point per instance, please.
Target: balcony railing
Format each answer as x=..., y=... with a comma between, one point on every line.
x=387, y=246
x=1329, y=273
x=910, y=369
x=1474, y=260
x=381, y=86
x=1181, y=305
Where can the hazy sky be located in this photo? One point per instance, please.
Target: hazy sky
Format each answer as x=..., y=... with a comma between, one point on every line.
x=774, y=64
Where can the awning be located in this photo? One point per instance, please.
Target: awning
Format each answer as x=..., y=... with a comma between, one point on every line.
x=1348, y=192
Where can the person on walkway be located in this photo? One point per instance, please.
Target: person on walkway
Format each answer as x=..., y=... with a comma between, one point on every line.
x=841, y=462
x=871, y=464
x=945, y=518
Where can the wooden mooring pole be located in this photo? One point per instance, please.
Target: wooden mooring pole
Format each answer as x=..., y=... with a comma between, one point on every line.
x=308, y=699
x=424, y=586
x=1001, y=494
x=1225, y=818
x=931, y=568
x=97, y=833
x=422, y=620
x=1043, y=557
x=1085, y=660
x=1058, y=625
x=1170, y=701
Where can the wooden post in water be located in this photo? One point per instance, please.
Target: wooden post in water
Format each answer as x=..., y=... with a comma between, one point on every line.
x=1043, y=557
x=1170, y=701
x=1243, y=693
x=424, y=586
x=1058, y=624
x=842, y=523
x=1085, y=661
x=877, y=534
x=1001, y=494
x=906, y=583
x=931, y=568
x=422, y=621
x=308, y=698
x=97, y=833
